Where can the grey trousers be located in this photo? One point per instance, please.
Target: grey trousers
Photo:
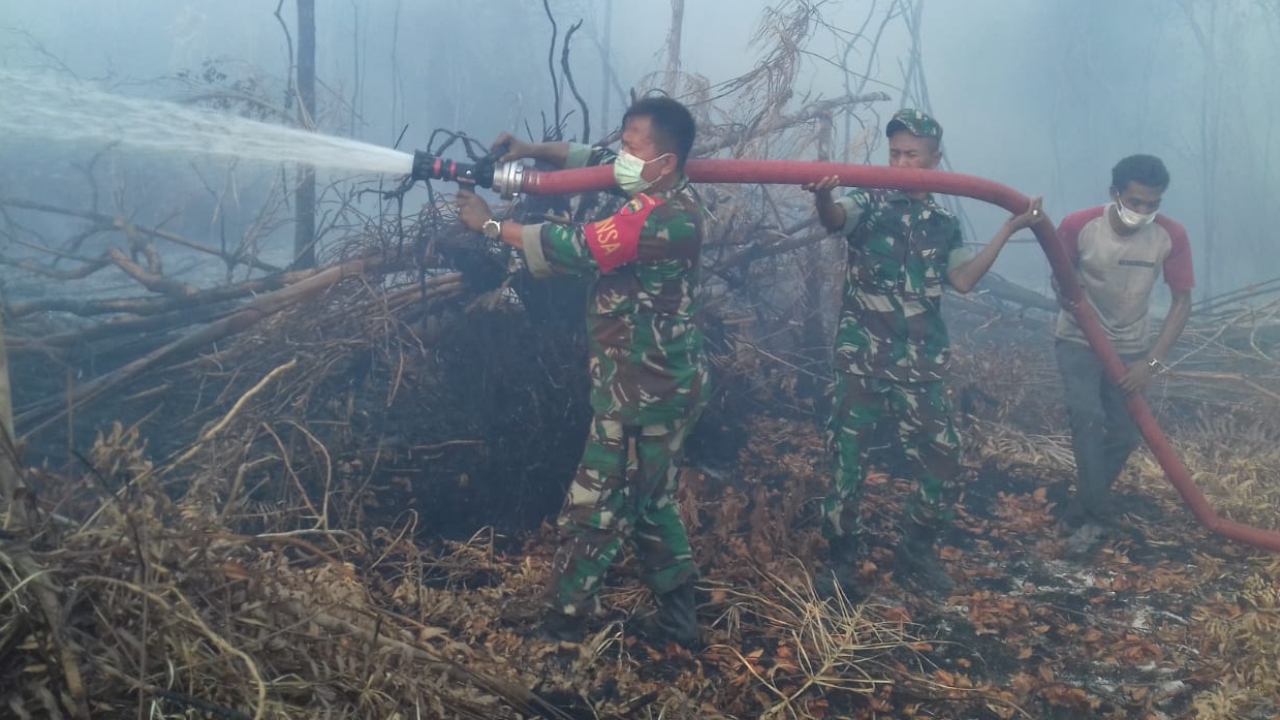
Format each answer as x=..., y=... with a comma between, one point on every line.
x=1102, y=433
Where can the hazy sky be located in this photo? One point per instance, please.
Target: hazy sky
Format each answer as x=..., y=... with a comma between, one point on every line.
x=1042, y=95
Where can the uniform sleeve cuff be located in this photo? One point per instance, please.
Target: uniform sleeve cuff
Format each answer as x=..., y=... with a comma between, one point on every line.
x=531, y=238
x=578, y=157
x=852, y=214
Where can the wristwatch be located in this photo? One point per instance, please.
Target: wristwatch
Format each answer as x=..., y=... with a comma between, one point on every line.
x=1155, y=364
x=492, y=229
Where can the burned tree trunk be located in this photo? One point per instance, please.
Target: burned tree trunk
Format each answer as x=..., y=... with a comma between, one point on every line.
x=304, y=251
x=672, y=80
x=814, y=340
x=13, y=520
x=9, y=477
x=606, y=54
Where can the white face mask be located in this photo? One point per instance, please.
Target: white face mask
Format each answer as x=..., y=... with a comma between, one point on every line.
x=627, y=172
x=1132, y=219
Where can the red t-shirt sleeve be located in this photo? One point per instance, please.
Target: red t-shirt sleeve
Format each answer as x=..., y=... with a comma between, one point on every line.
x=1178, y=272
x=1069, y=232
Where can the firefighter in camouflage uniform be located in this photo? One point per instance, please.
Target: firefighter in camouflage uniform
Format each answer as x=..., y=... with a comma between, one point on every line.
x=647, y=364
x=891, y=351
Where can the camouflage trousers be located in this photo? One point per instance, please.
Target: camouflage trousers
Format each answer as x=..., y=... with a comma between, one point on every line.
x=625, y=489
x=914, y=416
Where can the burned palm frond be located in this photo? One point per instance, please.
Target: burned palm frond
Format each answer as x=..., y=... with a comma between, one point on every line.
x=245, y=626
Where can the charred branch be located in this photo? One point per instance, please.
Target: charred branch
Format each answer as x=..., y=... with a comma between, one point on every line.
x=573, y=87
x=40, y=414
x=765, y=127
x=103, y=222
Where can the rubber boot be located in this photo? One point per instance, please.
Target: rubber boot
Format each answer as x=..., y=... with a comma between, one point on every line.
x=841, y=574
x=918, y=562
x=675, y=621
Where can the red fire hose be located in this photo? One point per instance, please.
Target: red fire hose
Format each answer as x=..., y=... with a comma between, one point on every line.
x=784, y=172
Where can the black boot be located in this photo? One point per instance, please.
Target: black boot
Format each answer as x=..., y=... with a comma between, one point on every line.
x=676, y=620
x=559, y=627
x=918, y=562
x=840, y=577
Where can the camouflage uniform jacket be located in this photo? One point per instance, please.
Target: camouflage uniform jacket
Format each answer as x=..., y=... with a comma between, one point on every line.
x=900, y=251
x=647, y=360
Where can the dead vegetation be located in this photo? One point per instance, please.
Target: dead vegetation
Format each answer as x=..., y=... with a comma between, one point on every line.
x=253, y=574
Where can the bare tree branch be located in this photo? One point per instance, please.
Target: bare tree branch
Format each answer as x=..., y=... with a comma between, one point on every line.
x=118, y=223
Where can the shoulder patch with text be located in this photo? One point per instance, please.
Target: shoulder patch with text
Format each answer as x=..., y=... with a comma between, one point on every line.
x=615, y=241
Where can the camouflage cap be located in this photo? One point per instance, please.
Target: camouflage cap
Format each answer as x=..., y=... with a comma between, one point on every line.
x=915, y=122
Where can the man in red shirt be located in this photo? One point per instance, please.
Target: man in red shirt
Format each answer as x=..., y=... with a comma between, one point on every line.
x=1119, y=250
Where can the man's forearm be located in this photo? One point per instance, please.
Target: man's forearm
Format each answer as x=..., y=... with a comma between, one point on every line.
x=1174, y=323
x=512, y=234
x=552, y=153
x=967, y=275
x=830, y=213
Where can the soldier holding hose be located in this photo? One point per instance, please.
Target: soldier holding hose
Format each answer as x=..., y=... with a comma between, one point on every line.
x=647, y=363
x=892, y=351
